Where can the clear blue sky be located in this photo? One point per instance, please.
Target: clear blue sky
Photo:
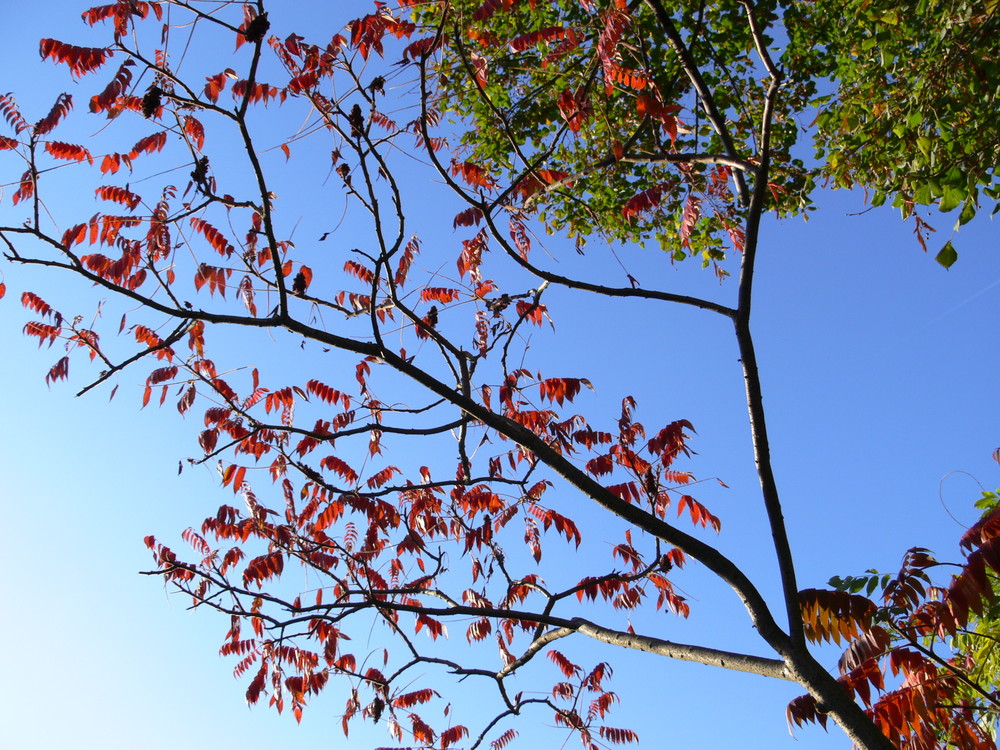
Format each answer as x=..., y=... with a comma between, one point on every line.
x=879, y=371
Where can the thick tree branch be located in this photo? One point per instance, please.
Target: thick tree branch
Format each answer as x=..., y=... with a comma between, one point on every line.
x=776, y=668
x=754, y=393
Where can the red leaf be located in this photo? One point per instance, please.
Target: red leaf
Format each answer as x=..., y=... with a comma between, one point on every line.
x=118, y=86
x=600, y=465
x=356, y=269
x=58, y=371
x=468, y=217
x=118, y=195
x=562, y=389
x=618, y=736
x=111, y=163
x=669, y=442
x=257, y=685
x=692, y=212
x=216, y=278
x=440, y=294
x=574, y=108
x=567, y=667
x=68, y=151
x=259, y=92
x=451, y=736
x=81, y=60
x=12, y=114
x=196, y=131
x=537, y=180
x=380, y=478
x=367, y=32
x=161, y=374
x=187, y=399
x=530, y=311
x=214, y=86
x=408, y=700
x=149, y=145
x=340, y=467
x=645, y=201
x=615, y=22
x=503, y=740
x=699, y=514
x=485, y=11
x=328, y=394
x=35, y=303
x=406, y=260
x=519, y=233
x=26, y=189
x=472, y=174
x=64, y=103
x=548, y=34
x=479, y=630
x=303, y=82
x=422, y=47
x=434, y=628
x=42, y=331
x=833, y=615
x=471, y=256
x=215, y=238
x=647, y=105
x=121, y=14
x=532, y=540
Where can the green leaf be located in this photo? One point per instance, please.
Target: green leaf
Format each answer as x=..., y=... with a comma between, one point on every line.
x=988, y=501
x=922, y=195
x=947, y=256
x=968, y=212
x=951, y=198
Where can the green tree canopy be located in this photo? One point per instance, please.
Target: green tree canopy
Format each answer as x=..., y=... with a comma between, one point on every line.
x=642, y=119
x=913, y=112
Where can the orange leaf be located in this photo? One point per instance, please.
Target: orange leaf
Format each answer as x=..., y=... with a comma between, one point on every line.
x=440, y=294
x=111, y=163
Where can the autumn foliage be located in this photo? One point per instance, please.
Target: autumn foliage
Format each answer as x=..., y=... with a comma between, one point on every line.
x=419, y=472
x=918, y=694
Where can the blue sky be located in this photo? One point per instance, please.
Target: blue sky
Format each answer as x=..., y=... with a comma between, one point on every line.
x=879, y=372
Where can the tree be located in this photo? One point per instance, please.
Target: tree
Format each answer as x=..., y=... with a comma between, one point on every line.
x=383, y=539
x=911, y=117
